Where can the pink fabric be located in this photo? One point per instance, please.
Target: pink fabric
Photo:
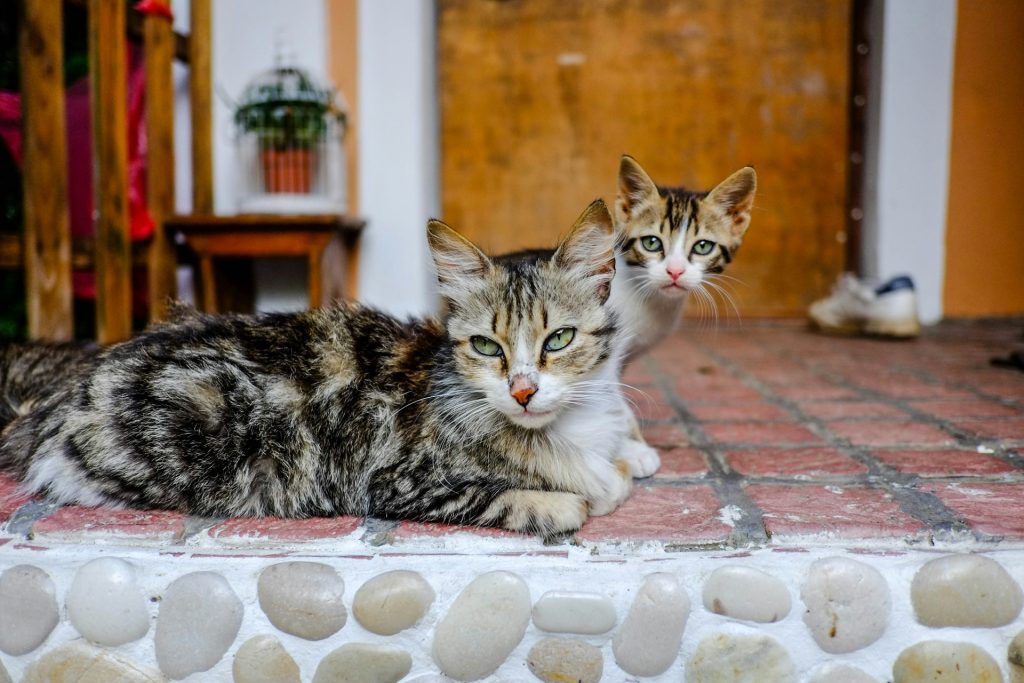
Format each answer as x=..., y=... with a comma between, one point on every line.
x=79, y=164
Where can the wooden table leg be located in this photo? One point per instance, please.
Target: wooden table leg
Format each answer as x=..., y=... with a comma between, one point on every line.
x=351, y=266
x=316, y=257
x=209, y=286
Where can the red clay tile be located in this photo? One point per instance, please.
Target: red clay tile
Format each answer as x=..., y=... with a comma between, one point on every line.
x=681, y=462
x=891, y=433
x=665, y=435
x=714, y=389
x=849, y=409
x=848, y=512
x=737, y=411
x=804, y=462
x=649, y=404
x=83, y=522
x=815, y=392
x=685, y=514
x=989, y=508
x=961, y=408
x=1010, y=429
x=278, y=529
x=760, y=433
x=11, y=498
x=944, y=463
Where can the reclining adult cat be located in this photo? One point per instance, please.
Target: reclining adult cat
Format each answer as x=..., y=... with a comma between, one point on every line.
x=489, y=417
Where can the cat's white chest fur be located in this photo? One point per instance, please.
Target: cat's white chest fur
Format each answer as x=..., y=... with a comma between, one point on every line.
x=646, y=317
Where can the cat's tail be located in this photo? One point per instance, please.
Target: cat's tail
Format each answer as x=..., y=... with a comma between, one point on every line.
x=31, y=372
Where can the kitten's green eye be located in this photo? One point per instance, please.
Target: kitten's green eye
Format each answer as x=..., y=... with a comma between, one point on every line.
x=651, y=243
x=485, y=346
x=703, y=247
x=559, y=339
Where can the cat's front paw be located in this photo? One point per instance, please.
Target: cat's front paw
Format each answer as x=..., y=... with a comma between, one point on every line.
x=618, y=486
x=548, y=513
x=643, y=460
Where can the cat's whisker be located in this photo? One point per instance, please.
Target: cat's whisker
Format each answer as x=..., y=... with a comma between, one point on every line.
x=727, y=296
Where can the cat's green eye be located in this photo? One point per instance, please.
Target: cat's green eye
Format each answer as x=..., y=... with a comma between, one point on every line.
x=703, y=247
x=651, y=243
x=559, y=339
x=485, y=346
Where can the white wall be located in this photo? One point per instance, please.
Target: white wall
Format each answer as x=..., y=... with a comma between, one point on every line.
x=907, y=159
x=398, y=151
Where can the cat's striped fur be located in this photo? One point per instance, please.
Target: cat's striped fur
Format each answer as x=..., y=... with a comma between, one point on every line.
x=347, y=410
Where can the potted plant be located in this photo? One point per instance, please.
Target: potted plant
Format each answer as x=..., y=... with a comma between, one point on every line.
x=290, y=118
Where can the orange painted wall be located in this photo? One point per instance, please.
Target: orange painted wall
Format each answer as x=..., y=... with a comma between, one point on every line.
x=985, y=230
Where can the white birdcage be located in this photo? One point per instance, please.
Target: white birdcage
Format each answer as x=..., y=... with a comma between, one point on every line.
x=288, y=133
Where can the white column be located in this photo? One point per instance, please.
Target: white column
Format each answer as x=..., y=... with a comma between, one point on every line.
x=398, y=153
x=907, y=158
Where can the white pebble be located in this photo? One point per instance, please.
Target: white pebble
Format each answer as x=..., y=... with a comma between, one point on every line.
x=483, y=626
x=392, y=602
x=80, y=662
x=198, y=621
x=937, y=661
x=363, y=663
x=28, y=608
x=574, y=612
x=303, y=598
x=106, y=604
x=263, y=659
x=747, y=593
x=648, y=641
x=965, y=590
x=848, y=604
x=732, y=658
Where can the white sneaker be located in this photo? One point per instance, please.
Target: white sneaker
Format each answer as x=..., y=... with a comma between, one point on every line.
x=854, y=307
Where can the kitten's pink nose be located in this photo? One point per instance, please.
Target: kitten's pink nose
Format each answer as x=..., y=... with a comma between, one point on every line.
x=522, y=389
x=675, y=272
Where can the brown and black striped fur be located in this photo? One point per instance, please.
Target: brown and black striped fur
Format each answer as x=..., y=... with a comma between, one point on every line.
x=347, y=410
x=31, y=372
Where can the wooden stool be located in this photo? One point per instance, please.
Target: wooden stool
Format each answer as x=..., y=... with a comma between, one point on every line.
x=255, y=235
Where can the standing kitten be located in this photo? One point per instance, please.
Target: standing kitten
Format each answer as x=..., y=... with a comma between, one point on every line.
x=672, y=242
x=500, y=416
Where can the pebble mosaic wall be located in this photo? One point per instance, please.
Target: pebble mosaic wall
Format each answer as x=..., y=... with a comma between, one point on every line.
x=193, y=624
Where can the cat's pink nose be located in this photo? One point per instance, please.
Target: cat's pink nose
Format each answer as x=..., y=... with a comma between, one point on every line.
x=522, y=389
x=675, y=273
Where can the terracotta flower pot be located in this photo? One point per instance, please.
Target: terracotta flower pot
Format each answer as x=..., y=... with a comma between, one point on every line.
x=288, y=170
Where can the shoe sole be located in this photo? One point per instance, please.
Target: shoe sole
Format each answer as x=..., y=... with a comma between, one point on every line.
x=889, y=329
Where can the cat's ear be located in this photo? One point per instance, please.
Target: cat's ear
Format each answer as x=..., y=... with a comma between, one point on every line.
x=589, y=249
x=636, y=189
x=460, y=264
x=734, y=197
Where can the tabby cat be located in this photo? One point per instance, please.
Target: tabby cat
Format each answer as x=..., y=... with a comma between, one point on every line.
x=505, y=414
x=673, y=241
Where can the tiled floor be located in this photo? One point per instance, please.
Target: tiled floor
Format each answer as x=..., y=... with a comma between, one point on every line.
x=768, y=433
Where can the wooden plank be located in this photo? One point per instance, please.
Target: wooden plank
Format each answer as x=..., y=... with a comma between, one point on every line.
x=109, y=105
x=159, y=120
x=862, y=42
x=540, y=99
x=47, y=256
x=201, y=98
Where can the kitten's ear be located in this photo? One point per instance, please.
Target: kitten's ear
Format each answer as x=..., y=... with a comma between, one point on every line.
x=734, y=197
x=636, y=189
x=589, y=249
x=458, y=261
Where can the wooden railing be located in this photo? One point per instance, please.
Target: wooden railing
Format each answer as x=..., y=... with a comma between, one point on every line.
x=46, y=249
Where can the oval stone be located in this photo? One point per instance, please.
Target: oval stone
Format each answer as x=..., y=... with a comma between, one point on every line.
x=648, y=641
x=28, y=608
x=746, y=593
x=483, y=626
x=363, y=663
x=557, y=660
x=840, y=673
x=199, y=619
x=106, y=604
x=1015, y=655
x=937, y=661
x=965, y=590
x=574, y=612
x=303, y=598
x=80, y=662
x=848, y=604
x=4, y=676
x=392, y=601
x=740, y=658
x=263, y=659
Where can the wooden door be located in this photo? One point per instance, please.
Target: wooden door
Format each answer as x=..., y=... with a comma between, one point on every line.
x=540, y=98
